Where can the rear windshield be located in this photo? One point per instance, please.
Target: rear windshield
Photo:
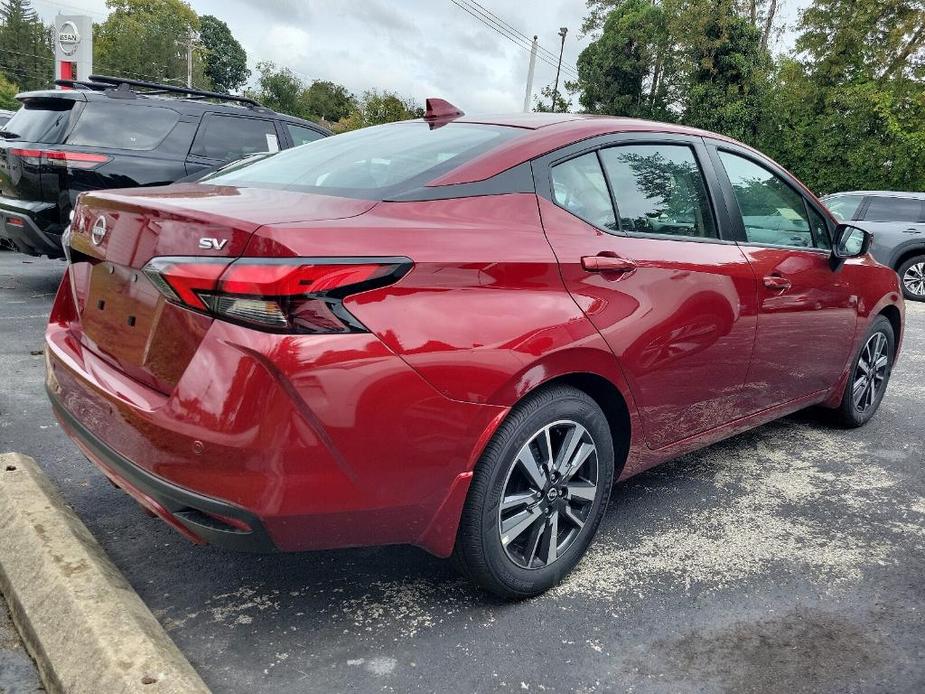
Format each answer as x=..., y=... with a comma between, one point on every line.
x=41, y=120
x=122, y=126
x=372, y=163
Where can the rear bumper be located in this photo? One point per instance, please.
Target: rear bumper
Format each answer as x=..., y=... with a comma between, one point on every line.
x=200, y=518
x=24, y=224
x=308, y=442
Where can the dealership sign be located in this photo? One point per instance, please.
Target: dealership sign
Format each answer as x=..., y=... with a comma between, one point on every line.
x=68, y=38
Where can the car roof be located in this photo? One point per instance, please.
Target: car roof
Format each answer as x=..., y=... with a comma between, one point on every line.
x=188, y=106
x=881, y=194
x=545, y=132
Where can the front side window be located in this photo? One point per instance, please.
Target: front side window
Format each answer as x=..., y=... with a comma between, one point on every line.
x=123, y=126
x=578, y=185
x=843, y=207
x=883, y=208
x=227, y=138
x=659, y=189
x=773, y=213
x=301, y=135
x=372, y=163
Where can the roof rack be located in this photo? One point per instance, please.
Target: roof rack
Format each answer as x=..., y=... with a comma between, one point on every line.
x=125, y=85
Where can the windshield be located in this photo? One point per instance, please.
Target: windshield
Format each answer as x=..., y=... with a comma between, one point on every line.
x=371, y=163
x=41, y=120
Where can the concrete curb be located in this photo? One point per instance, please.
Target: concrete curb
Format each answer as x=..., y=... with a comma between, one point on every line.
x=87, y=629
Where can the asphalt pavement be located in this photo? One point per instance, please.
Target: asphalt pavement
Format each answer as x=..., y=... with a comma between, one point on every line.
x=790, y=558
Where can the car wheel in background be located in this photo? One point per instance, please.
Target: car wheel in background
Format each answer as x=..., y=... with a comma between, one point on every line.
x=538, y=494
x=870, y=375
x=912, y=278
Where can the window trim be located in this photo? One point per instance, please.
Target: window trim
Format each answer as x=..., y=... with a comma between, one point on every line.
x=542, y=173
x=737, y=221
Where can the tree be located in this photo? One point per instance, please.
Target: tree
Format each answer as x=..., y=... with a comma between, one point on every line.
x=147, y=39
x=376, y=108
x=26, y=56
x=279, y=89
x=225, y=58
x=8, y=92
x=543, y=103
x=727, y=73
x=628, y=70
x=328, y=101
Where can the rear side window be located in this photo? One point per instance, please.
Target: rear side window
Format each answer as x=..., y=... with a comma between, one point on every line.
x=890, y=209
x=301, y=135
x=578, y=185
x=42, y=120
x=844, y=206
x=773, y=213
x=231, y=137
x=659, y=190
x=372, y=163
x=122, y=126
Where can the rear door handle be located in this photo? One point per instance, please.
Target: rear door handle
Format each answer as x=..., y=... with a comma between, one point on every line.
x=607, y=263
x=777, y=282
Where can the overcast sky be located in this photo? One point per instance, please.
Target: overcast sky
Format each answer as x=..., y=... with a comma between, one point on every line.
x=418, y=48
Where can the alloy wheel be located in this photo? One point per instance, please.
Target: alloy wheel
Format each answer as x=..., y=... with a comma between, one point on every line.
x=548, y=494
x=870, y=374
x=914, y=279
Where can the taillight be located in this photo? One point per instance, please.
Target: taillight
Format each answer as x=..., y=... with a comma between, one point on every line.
x=70, y=160
x=301, y=295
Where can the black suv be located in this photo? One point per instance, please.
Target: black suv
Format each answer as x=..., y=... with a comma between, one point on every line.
x=110, y=132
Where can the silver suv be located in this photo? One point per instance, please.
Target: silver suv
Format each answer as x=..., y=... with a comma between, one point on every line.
x=897, y=221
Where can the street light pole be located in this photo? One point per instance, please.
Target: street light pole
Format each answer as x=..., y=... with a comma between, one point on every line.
x=530, y=71
x=555, y=92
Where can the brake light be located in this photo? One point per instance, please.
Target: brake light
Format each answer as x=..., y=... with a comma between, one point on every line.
x=70, y=160
x=301, y=295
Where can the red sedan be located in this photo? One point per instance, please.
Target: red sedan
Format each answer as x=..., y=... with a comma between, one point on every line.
x=455, y=332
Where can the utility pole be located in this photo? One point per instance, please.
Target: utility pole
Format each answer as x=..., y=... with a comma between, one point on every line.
x=530, y=70
x=190, y=45
x=555, y=92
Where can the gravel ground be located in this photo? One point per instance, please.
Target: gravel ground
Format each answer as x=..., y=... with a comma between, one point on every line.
x=789, y=558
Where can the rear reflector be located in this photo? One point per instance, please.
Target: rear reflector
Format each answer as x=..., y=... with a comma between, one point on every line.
x=301, y=295
x=70, y=160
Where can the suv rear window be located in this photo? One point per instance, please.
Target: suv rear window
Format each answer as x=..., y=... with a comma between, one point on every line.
x=890, y=209
x=42, y=120
x=123, y=126
x=371, y=163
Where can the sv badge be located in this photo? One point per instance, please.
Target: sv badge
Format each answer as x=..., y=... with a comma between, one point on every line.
x=211, y=244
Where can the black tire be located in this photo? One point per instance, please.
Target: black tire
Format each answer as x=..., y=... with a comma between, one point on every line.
x=912, y=271
x=568, y=415
x=850, y=414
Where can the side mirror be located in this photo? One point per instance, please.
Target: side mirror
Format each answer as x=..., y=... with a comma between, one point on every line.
x=850, y=242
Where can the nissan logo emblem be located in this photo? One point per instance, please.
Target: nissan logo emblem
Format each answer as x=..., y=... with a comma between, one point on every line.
x=98, y=233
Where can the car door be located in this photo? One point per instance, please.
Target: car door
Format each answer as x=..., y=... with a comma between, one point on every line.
x=807, y=311
x=638, y=238
x=223, y=138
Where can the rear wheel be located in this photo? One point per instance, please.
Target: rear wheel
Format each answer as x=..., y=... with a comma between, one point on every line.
x=538, y=494
x=912, y=278
x=870, y=375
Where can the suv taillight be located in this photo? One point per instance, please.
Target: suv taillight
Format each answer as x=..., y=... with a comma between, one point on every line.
x=70, y=160
x=300, y=295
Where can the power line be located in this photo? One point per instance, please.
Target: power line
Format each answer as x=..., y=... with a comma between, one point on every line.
x=513, y=38
x=549, y=53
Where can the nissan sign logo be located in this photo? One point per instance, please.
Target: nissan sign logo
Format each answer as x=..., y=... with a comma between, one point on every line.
x=98, y=233
x=68, y=38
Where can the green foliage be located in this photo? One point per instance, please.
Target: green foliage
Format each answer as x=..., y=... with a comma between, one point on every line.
x=376, y=108
x=544, y=101
x=225, y=58
x=282, y=90
x=26, y=55
x=845, y=111
x=627, y=71
x=147, y=39
x=8, y=92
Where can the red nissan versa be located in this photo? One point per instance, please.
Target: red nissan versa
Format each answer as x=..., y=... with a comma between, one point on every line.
x=455, y=332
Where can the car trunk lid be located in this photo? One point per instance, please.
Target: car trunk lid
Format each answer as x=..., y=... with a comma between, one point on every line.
x=122, y=316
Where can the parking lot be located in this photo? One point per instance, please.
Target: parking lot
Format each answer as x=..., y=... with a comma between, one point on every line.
x=789, y=558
